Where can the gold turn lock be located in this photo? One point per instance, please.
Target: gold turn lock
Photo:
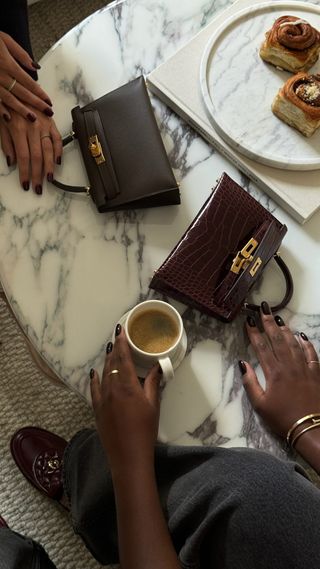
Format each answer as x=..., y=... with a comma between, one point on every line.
x=96, y=149
x=245, y=257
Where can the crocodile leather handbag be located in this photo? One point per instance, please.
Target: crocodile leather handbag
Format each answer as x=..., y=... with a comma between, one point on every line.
x=122, y=150
x=223, y=253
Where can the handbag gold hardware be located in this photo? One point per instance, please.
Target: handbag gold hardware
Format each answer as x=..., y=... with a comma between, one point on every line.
x=96, y=149
x=256, y=266
x=244, y=257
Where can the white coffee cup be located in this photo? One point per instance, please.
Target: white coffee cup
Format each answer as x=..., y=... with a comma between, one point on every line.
x=142, y=357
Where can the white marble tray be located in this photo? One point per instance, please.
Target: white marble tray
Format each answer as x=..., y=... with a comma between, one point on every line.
x=238, y=88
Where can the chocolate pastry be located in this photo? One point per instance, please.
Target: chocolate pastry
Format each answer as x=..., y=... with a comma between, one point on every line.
x=291, y=44
x=298, y=103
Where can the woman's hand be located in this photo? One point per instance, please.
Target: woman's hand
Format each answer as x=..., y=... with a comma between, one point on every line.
x=127, y=417
x=291, y=368
x=34, y=146
x=292, y=382
x=18, y=91
x=127, y=414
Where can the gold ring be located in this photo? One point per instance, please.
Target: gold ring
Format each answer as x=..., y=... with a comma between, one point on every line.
x=113, y=371
x=313, y=362
x=45, y=136
x=12, y=85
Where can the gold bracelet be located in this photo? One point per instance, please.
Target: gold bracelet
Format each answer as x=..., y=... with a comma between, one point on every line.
x=299, y=422
x=314, y=426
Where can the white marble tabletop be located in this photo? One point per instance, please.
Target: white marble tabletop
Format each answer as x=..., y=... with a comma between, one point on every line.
x=69, y=273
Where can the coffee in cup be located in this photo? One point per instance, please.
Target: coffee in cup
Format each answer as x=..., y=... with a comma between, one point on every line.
x=154, y=332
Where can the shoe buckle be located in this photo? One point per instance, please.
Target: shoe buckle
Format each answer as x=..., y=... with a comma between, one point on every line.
x=54, y=464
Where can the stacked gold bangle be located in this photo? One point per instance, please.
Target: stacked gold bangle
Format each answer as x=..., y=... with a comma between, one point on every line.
x=314, y=418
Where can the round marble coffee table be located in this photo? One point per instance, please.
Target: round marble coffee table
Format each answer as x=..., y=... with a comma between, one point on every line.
x=69, y=273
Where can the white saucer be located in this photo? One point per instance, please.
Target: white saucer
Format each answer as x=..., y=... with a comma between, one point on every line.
x=176, y=360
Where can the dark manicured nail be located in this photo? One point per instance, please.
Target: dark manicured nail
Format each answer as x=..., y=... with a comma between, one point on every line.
x=38, y=189
x=304, y=337
x=31, y=117
x=265, y=307
x=48, y=102
x=279, y=321
x=25, y=185
x=8, y=160
x=50, y=177
x=91, y=373
x=251, y=321
x=118, y=329
x=242, y=366
x=48, y=112
x=109, y=347
x=59, y=160
x=160, y=369
x=6, y=117
x=35, y=64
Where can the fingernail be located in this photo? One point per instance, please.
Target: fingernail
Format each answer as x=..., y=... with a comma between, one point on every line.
x=38, y=189
x=25, y=185
x=160, y=369
x=31, y=117
x=59, y=160
x=48, y=102
x=251, y=321
x=109, y=347
x=304, y=337
x=8, y=160
x=242, y=366
x=279, y=321
x=48, y=112
x=91, y=373
x=6, y=117
x=50, y=177
x=265, y=307
x=35, y=64
x=118, y=329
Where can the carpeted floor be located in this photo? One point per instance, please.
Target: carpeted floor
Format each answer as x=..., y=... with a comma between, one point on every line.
x=27, y=397
x=49, y=20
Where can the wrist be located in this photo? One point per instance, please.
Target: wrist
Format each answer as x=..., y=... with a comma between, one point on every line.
x=308, y=446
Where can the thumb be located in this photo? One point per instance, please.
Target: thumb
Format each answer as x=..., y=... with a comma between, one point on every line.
x=95, y=389
x=152, y=385
x=251, y=384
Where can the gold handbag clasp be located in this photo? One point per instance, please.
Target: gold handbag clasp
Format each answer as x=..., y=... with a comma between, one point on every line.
x=96, y=149
x=244, y=257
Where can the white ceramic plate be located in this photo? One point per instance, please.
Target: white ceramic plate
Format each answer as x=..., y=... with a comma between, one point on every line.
x=238, y=88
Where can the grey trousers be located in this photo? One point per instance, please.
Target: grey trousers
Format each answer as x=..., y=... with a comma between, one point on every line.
x=226, y=508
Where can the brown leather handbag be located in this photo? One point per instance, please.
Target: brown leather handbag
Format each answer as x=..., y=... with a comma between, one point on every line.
x=223, y=253
x=123, y=152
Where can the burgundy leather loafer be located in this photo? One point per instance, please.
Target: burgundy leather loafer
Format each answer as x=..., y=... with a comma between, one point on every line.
x=38, y=454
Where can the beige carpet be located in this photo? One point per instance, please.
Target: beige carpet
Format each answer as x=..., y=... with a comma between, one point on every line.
x=28, y=398
x=51, y=19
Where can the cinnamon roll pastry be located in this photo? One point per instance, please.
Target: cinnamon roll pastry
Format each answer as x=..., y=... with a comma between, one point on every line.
x=291, y=44
x=298, y=103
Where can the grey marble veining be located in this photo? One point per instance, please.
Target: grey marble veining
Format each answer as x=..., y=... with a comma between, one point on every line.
x=70, y=273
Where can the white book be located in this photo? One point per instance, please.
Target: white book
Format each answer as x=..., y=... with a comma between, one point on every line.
x=176, y=82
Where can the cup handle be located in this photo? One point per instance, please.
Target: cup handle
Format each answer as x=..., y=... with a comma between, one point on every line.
x=167, y=369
